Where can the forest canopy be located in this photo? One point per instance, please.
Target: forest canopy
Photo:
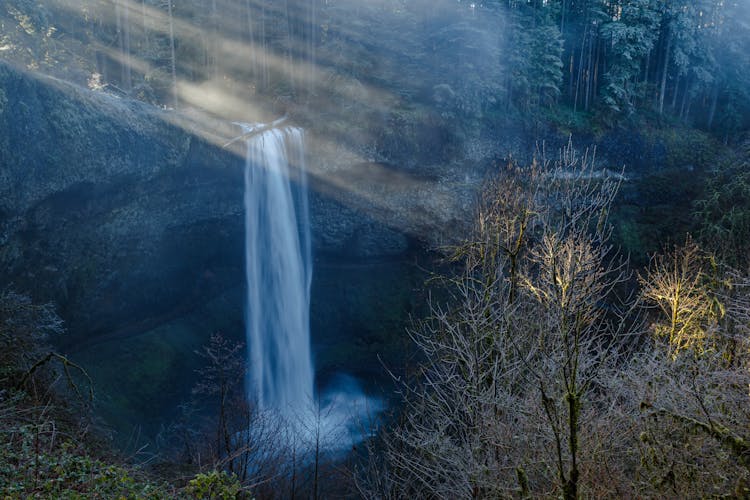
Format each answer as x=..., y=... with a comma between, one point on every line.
x=689, y=60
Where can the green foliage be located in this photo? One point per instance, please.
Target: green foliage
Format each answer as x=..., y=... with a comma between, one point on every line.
x=686, y=59
x=34, y=463
x=214, y=485
x=677, y=283
x=467, y=58
x=730, y=47
x=24, y=331
x=723, y=212
x=686, y=147
x=41, y=421
x=568, y=121
x=535, y=60
x=632, y=37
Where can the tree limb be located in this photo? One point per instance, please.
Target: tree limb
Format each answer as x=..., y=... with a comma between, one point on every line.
x=66, y=364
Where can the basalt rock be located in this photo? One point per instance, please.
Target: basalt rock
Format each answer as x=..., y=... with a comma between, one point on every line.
x=124, y=214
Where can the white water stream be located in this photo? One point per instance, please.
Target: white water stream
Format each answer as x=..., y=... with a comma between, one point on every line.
x=278, y=273
x=278, y=270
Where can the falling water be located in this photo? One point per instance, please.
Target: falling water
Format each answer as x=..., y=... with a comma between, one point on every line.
x=278, y=270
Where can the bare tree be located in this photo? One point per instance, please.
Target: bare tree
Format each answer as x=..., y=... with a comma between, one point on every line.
x=684, y=421
x=570, y=282
x=687, y=400
x=222, y=428
x=502, y=406
x=222, y=377
x=676, y=282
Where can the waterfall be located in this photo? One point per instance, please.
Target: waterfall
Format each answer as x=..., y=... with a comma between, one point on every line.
x=279, y=274
x=278, y=270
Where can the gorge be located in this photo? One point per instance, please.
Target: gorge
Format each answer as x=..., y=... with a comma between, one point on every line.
x=490, y=249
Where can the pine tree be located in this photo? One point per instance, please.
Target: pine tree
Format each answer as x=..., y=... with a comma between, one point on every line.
x=631, y=37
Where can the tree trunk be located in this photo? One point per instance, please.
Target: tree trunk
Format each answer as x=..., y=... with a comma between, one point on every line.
x=251, y=39
x=712, y=110
x=172, y=54
x=264, y=51
x=644, y=95
x=595, y=91
x=570, y=487
x=289, y=54
x=128, y=81
x=562, y=16
x=580, y=69
x=677, y=82
x=213, y=45
x=589, y=73
x=145, y=29
x=313, y=46
x=120, y=41
x=664, y=69
x=571, y=66
x=683, y=105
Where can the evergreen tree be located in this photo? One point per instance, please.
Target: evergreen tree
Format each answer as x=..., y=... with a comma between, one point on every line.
x=631, y=37
x=536, y=57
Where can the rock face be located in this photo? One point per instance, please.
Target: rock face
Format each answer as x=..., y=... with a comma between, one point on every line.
x=125, y=215
x=105, y=207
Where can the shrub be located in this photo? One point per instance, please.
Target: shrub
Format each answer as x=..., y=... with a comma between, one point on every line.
x=214, y=485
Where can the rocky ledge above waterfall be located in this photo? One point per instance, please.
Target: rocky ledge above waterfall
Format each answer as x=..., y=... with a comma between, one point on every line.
x=110, y=207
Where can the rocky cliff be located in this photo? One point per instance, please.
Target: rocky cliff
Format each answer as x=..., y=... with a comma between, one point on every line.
x=124, y=214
